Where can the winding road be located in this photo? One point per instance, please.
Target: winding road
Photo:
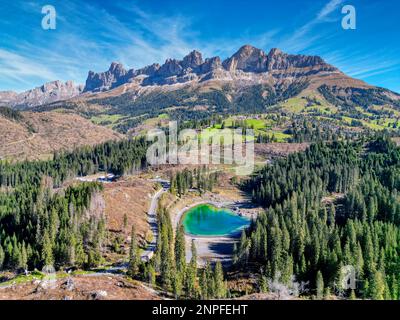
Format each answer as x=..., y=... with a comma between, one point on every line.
x=152, y=219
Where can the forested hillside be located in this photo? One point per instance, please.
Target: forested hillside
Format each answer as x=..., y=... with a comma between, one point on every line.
x=120, y=157
x=42, y=223
x=40, y=229
x=306, y=234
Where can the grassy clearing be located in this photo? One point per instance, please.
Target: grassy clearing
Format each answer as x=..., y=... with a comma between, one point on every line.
x=294, y=105
x=259, y=125
x=324, y=109
x=280, y=136
x=107, y=119
x=37, y=275
x=299, y=105
x=19, y=279
x=163, y=116
x=209, y=133
x=153, y=122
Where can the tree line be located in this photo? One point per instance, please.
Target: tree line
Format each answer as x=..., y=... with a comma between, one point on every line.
x=200, y=178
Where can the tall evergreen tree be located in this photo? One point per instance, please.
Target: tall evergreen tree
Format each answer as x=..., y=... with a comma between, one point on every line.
x=319, y=285
x=2, y=256
x=220, y=290
x=191, y=273
x=377, y=286
x=47, y=251
x=133, y=254
x=180, y=252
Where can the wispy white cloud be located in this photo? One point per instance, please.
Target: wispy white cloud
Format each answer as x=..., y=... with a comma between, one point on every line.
x=301, y=38
x=19, y=68
x=174, y=36
x=331, y=6
x=360, y=65
x=81, y=42
x=90, y=37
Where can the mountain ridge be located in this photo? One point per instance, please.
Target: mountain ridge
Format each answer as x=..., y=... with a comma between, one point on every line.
x=47, y=93
x=247, y=59
x=246, y=67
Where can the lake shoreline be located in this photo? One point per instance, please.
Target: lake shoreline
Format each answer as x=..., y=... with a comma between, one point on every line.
x=214, y=248
x=213, y=222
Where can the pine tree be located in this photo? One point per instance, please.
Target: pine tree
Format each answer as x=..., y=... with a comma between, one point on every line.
x=327, y=292
x=387, y=293
x=125, y=221
x=80, y=255
x=24, y=257
x=203, y=284
x=243, y=250
x=220, y=290
x=151, y=274
x=47, y=251
x=193, y=260
x=191, y=273
x=366, y=289
x=369, y=260
x=177, y=284
x=377, y=286
x=393, y=287
x=180, y=252
x=210, y=280
x=133, y=254
x=263, y=284
x=2, y=257
x=235, y=254
x=165, y=248
x=319, y=285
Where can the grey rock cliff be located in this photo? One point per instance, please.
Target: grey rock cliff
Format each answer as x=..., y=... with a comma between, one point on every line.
x=47, y=93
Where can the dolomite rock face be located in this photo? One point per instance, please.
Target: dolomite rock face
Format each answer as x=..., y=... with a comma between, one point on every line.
x=115, y=76
x=47, y=93
x=247, y=64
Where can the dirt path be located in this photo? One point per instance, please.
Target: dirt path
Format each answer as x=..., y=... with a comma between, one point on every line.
x=23, y=140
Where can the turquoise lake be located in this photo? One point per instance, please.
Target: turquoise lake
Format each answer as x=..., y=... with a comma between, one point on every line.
x=207, y=220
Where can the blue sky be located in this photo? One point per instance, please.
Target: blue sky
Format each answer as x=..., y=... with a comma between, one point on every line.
x=92, y=34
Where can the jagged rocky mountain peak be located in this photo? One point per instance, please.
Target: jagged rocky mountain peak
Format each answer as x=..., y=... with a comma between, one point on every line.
x=193, y=67
x=46, y=93
x=248, y=63
x=248, y=59
x=117, y=67
x=192, y=60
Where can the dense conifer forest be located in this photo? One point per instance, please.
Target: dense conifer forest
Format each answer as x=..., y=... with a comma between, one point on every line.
x=200, y=178
x=334, y=205
x=43, y=224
